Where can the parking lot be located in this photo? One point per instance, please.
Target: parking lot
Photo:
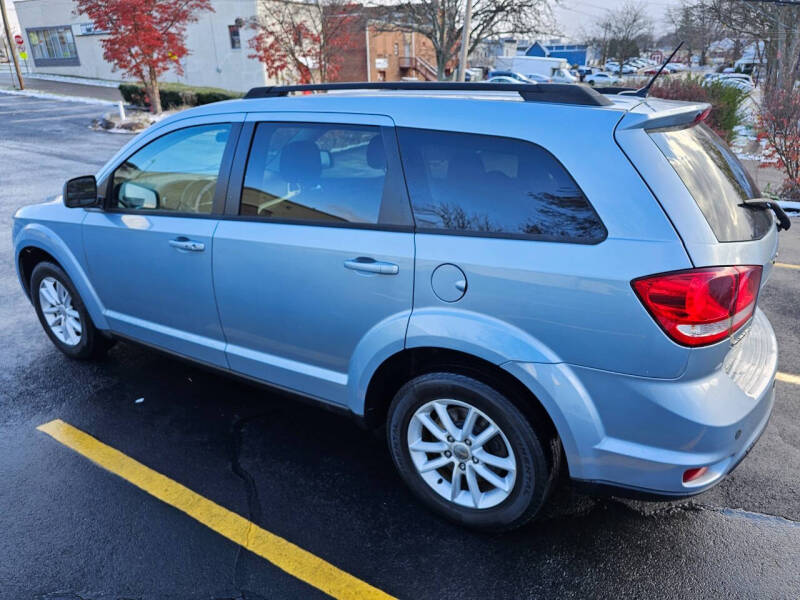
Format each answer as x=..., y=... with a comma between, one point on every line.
x=248, y=493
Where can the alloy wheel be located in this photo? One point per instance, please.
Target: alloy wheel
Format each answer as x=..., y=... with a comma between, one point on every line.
x=461, y=453
x=61, y=316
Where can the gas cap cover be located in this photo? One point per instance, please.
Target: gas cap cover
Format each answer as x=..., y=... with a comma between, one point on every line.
x=449, y=283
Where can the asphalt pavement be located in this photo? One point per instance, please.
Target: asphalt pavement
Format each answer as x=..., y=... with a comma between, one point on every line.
x=79, y=88
x=70, y=529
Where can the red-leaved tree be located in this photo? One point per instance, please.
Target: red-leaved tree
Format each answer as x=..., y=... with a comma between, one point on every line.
x=307, y=38
x=145, y=37
x=779, y=125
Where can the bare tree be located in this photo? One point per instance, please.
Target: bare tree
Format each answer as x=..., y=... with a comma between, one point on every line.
x=773, y=28
x=441, y=21
x=623, y=32
x=696, y=25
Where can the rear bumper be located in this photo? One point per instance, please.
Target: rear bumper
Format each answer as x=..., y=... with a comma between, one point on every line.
x=605, y=488
x=636, y=436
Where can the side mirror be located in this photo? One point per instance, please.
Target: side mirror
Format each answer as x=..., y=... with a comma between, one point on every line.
x=138, y=196
x=81, y=192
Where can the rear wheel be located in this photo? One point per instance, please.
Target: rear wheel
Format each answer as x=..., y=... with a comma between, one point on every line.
x=467, y=452
x=63, y=314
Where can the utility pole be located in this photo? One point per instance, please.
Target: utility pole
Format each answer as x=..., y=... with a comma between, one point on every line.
x=12, y=51
x=462, y=68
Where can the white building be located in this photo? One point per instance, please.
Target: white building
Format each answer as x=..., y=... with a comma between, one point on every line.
x=60, y=41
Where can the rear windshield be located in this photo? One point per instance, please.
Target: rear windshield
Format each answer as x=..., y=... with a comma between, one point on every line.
x=717, y=180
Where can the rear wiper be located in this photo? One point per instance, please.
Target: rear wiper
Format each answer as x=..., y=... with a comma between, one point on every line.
x=783, y=220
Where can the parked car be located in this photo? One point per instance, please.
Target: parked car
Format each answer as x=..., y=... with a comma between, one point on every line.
x=654, y=70
x=519, y=77
x=505, y=79
x=602, y=79
x=676, y=67
x=449, y=266
x=537, y=78
x=563, y=76
x=738, y=80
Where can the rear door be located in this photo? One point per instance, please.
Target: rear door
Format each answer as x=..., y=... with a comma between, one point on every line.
x=313, y=263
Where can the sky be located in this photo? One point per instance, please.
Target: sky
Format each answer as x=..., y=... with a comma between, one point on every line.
x=576, y=16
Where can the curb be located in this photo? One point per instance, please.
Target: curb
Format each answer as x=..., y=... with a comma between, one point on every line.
x=49, y=96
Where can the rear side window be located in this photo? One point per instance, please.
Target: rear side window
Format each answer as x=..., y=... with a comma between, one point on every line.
x=717, y=181
x=315, y=172
x=480, y=184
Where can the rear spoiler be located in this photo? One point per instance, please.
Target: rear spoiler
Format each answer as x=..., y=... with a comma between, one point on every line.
x=684, y=114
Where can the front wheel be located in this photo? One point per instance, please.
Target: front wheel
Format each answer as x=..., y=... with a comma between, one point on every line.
x=467, y=452
x=63, y=315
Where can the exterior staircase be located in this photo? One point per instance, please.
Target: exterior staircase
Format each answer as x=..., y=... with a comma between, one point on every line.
x=419, y=66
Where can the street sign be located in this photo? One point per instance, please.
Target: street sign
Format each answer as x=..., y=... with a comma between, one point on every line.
x=23, y=55
x=19, y=40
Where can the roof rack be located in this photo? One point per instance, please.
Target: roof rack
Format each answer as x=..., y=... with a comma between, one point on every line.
x=563, y=93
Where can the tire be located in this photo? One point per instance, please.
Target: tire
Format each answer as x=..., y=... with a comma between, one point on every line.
x=492, y=507
x=90, y=342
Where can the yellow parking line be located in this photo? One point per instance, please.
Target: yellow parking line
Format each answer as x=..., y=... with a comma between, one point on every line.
x=283, y=554
x=787, y=378
x=787, y=266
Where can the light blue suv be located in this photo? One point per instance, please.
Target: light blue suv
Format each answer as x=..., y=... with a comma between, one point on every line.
x=516, y=281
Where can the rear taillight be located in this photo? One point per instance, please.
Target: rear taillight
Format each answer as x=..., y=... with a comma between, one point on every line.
x=701, y=306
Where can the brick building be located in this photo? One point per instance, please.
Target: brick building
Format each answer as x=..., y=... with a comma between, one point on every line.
x=388, y=56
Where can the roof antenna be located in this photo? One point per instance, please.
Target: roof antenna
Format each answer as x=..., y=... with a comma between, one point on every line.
x=642, y=92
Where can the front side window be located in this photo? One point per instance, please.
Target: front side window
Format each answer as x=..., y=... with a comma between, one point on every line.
x=177, y=172
x=315, y=172
x=493, y=186
x=53, y=46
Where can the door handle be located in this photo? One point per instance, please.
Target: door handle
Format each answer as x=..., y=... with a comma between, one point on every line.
x=370, y=265
x=183, y=243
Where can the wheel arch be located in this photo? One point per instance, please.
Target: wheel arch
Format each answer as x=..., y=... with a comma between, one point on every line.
x=402, y=366
x=28, y=258
x=37, y=242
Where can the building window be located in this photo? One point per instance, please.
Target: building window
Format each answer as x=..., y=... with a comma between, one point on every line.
x=236, y=40
x=53, y=46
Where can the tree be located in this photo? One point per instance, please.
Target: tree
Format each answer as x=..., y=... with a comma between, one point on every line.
x=307, y=38
x=441, y=21
x=773, y=29
x=779, y=125
x=146, y=37
x=623, y=32
x=696, y=25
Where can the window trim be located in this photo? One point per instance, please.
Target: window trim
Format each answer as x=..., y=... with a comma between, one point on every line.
x=505, y=235
x=223, y=176
x=395, y=194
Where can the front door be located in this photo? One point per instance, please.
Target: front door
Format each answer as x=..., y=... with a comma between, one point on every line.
x=316, y=269
x=149, y=252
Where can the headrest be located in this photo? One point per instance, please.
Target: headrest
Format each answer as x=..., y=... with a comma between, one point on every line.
x=376, y=155
x=300, y=162
x=464, y=167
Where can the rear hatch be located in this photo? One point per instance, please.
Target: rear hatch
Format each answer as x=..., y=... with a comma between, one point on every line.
x=704, y=190
x=701, y=185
